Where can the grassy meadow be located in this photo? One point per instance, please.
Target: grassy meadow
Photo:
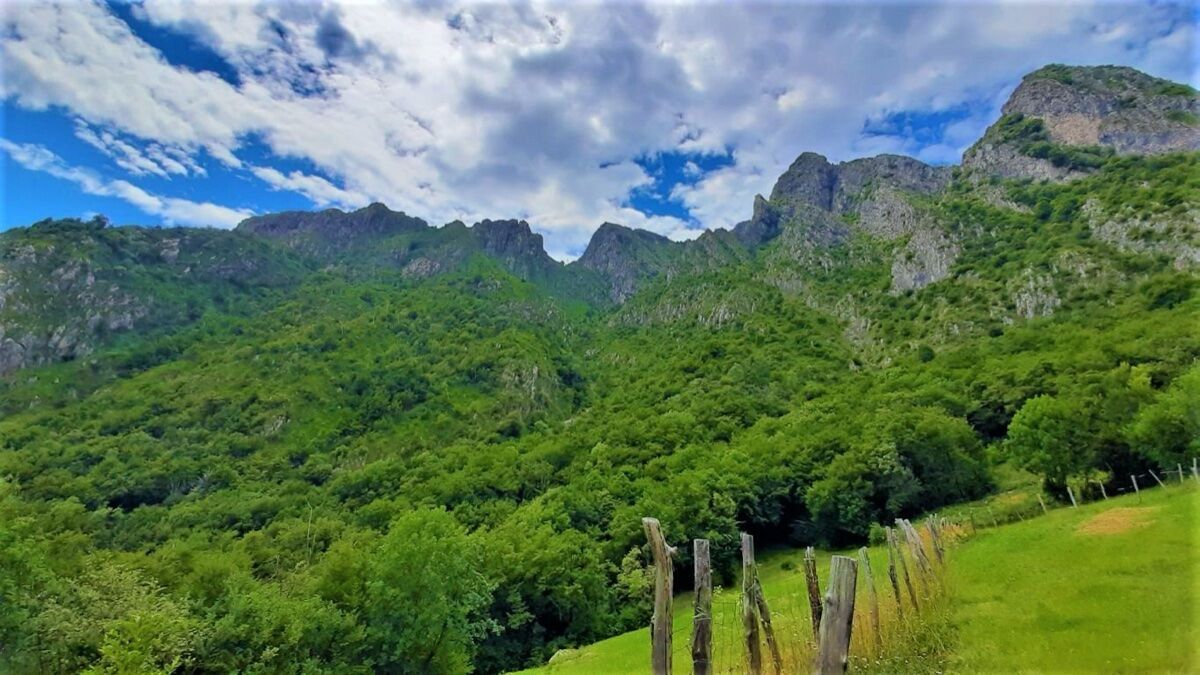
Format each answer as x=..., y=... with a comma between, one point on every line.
x=1109, y=587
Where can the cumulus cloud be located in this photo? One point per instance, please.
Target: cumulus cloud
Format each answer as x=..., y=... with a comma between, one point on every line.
x=172, y=210
x=318, y=190
x=460, y=110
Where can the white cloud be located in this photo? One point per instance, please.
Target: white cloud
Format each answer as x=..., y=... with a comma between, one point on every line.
x=320, y=191
x=463, y=110
x=172, y=210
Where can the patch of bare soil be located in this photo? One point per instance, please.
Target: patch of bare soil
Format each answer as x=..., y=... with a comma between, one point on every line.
x=1118, y=520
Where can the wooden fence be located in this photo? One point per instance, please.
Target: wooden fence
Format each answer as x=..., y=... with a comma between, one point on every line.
x=765, y=648
x=916, y=558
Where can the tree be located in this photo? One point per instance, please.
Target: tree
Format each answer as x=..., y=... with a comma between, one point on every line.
x=423, y=596
x=1168, y=430
x=1049, y=436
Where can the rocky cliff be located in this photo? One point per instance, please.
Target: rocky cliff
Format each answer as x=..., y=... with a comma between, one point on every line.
x=1061, y=122
x=67, y=286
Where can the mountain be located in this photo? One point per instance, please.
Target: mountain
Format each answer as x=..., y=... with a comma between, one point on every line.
x=1061, y=122
x=337, y=440
x=68, y=287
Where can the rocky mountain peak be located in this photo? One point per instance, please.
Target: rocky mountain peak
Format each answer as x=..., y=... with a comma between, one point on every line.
x=328, y=233
x=512, y=241
x=811, y=179
x=1061, y=122
x=624, y=256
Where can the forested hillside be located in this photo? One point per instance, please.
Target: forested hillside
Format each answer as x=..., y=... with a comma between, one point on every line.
x=339, y=442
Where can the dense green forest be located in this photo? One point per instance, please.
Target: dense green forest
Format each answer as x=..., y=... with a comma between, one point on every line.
x=310, y=468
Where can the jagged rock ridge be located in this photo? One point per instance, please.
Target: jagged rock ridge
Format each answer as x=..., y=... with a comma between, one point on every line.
x=56, y=303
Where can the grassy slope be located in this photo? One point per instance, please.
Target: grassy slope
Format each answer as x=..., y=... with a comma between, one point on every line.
x=1042, y=596
x=1034, y=596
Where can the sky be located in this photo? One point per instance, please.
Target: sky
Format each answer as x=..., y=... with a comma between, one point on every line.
x=666, y=116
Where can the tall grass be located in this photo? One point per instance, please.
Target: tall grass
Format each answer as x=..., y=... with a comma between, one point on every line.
x=909, y=637
x=1038, y=595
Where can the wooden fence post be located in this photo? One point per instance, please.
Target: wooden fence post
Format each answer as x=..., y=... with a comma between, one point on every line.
x=935, y=539
x=660, y=623
x=814, y=590
x=918, y=550
x=1043, y=503
x=702, y=618
x=749, y=616
x=837, y=617
x=1135, y=488
x=894, y=543
x=1103, y=492
x=1156, y=479
x=865, y=561
x=1179, y=467
x=763, y=612
x=891, y=547
x=1071, y=494
x=1195, y=470
x=764, y=616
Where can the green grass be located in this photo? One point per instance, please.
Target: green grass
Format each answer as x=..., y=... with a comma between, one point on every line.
x=782, y=576
x=1039, y=595
x=1043, y=596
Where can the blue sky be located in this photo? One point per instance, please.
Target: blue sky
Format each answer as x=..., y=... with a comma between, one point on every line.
x=668, y=117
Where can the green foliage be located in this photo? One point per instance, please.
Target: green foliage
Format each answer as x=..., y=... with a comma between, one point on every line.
x=1168, y=430
x=1184, y=117
x=1048, y=436
x=418, y=592
x=1175, y=89
x=331, y=476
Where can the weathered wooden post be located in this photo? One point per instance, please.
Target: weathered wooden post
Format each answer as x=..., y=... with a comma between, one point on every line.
x=1043, y=503
x=935, y=539
x=1135, y=488
x=702, y=617
x=1195, y=470
x=660, y=623
x=837, y=617
x=1156, y=479
x=814, y=590
x=1071, y=494
x=1180, y=468
x=1103, y=492
x=764, y=616
x=749, y=616
x=891, y=547
x=894, y=543
x=865, y=561
x=918, y=550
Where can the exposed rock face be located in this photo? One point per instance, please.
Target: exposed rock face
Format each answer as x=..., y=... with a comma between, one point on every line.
x=893, y=171
x=822, y=204
x=1034, y=295
x=625, y=257
x=812, y=185
x=1109, y=107
x=515, y=245
x=67, y=286
x=927, y=257
x=1176, y=236
x=330, y=233
x=762, y=227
